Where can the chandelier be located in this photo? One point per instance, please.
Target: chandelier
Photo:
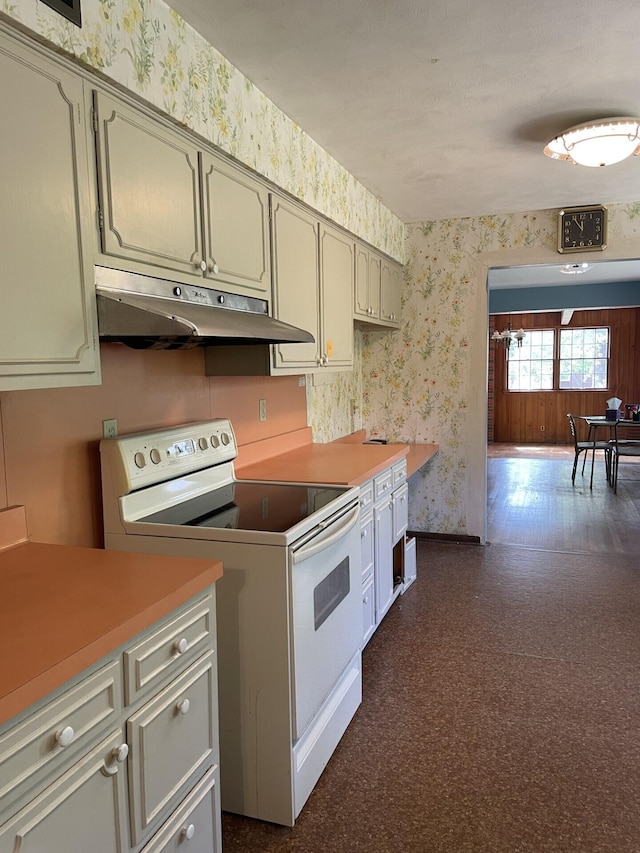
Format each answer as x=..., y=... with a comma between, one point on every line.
x=507, y=336
x=600, y=142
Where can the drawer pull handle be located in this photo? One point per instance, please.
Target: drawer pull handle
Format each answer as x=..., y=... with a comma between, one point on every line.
x=181, y=646
x=188, y=832
x=117, y=756
x=183, y=706
x=65, y=736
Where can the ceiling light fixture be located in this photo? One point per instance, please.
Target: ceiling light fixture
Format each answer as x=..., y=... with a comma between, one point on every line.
x=601, y=142
x=575, y=269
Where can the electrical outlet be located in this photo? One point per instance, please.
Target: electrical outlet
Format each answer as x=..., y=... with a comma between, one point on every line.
x=263, y=410
x=110, y=428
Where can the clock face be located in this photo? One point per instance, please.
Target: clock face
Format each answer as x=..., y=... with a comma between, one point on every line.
x=582, y=229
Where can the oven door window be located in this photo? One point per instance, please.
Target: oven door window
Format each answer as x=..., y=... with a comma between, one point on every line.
x=330, y=592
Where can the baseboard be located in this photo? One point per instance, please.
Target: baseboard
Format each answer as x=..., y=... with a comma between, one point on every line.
x=446, y=537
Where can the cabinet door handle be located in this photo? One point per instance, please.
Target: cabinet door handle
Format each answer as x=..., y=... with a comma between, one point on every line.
x=188, y=832
x=117, y=756
x=183, y=706
x=65, y=736
x=213, y=266
x=180, y=646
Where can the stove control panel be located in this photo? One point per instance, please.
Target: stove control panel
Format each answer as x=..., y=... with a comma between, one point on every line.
x=137, y=460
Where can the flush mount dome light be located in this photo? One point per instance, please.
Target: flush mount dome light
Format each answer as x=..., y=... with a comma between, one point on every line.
x=598, y=143
x=575, y=269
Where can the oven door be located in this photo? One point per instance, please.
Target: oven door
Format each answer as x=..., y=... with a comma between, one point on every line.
x=326, y=611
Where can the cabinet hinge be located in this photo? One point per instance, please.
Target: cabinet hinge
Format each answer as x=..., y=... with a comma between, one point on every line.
x=100, y=221
x=94, y=120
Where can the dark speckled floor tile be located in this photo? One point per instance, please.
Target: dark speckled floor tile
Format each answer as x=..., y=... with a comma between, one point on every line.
x=500, y=714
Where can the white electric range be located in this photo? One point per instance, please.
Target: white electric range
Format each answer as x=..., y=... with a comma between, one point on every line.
x=289, y=608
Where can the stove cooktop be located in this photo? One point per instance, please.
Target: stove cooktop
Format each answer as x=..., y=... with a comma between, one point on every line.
x=269, y=507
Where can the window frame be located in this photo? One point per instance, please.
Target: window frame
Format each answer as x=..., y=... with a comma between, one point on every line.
x=556, y=389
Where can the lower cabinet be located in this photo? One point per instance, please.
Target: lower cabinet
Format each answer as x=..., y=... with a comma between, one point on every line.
x=384, y=519
x=111, y=769
x=84, y=809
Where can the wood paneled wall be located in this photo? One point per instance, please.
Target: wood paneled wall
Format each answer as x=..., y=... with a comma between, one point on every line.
x=539, y=417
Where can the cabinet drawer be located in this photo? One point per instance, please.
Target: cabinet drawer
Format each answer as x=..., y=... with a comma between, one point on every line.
x=156, y=660
x=366, y=497
x=172, y=738
x=196, y=820
x=382, y=483
x=32, y=751
x=399, y=472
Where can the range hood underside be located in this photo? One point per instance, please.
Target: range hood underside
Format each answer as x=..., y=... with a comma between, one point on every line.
x=144, y=320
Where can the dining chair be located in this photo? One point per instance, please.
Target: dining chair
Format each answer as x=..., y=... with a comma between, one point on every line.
x=620, y=447
x=584, y=447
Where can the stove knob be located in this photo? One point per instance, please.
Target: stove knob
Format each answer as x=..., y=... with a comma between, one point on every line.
x=225, y=438
x=215, y=441
x=155, y=456
x=203, y=443
x=139, y=460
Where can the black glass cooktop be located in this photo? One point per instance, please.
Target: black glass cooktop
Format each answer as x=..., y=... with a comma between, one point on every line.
x=249, y=506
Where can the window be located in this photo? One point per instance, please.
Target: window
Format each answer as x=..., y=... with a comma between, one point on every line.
x=562, y=359
x=584, y=356
x=530, y=367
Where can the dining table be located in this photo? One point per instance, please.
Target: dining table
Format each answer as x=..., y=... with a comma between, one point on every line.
x=598, y=422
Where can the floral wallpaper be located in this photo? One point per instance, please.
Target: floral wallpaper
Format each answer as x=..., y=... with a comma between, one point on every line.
x=146, y=47
x=427, y=382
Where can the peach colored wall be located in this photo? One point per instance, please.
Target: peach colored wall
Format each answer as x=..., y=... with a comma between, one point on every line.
x=49, y=439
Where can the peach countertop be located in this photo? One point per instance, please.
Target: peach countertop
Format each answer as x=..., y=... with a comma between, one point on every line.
x=346, y=461
x=62, y=609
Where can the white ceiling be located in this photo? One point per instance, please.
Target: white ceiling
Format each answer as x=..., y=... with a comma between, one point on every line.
x=552, y=275
x=442, y=107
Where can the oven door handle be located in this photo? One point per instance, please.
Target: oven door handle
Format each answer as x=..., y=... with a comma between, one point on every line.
x=328, y=537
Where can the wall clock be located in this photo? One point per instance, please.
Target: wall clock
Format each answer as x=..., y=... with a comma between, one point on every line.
x=582, y=229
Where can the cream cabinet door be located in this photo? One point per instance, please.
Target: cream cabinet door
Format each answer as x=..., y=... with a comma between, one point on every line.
x=48, y=322
x=149, y=188
x=390, y=293
x=336, y=287
x=367, y=284
x=296, y=295
x=173, y=740
x=85, y=809
x=236, y=228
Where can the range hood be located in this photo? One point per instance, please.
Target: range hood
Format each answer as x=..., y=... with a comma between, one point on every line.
x=144, y=312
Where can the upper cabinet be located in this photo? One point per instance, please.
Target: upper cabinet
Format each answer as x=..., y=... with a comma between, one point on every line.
x=236, y=227
x=167, y=204
x=296, y=295
x=390, y=293
x=367, y=284
x=378, y=289
x=48, y=325
x=313, y=289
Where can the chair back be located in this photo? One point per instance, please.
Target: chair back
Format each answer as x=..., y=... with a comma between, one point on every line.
x=572, y=424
